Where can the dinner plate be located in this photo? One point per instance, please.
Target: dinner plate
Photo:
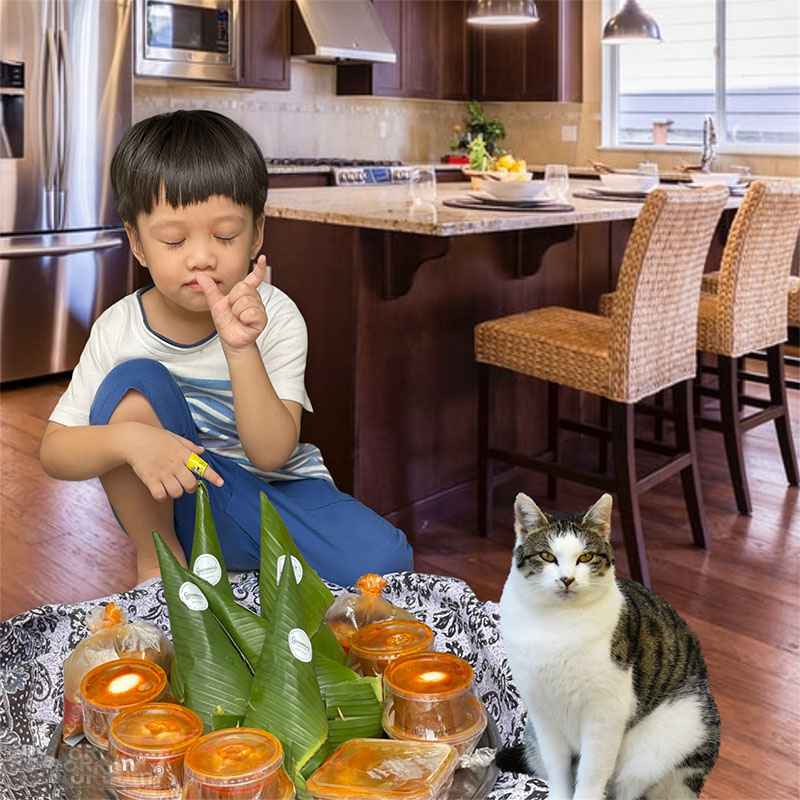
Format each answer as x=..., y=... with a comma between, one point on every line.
x=485, y=197
x=604, y=192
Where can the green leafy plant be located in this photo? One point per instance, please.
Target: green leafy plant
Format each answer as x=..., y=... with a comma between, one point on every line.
x=492, y=131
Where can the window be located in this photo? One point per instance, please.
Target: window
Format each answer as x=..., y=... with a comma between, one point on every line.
x=738, y=60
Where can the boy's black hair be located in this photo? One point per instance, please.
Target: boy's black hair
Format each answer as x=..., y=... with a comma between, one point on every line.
x=189, y=156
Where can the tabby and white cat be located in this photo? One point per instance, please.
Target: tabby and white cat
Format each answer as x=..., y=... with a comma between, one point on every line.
x=612, y=678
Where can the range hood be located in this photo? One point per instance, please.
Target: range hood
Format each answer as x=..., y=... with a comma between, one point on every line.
x=339, y=30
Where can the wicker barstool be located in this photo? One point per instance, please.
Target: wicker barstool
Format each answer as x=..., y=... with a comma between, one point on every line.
x=748, y=312
x=647, y=344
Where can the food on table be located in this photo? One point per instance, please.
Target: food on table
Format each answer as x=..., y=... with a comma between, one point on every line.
x=109, y=688
x=385, y=769
x=349, y=611
x=113, y=637
x=241, y=763
x=147, y=744
x=429, y=697
x=376, y=645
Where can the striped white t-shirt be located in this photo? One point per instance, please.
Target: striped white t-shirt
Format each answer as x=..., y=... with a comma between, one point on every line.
x=121, y=333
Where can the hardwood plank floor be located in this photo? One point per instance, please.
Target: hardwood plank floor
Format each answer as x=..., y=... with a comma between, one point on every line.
x=59, y=542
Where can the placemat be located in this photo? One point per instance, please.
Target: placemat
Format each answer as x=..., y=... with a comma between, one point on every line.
x=590, y=195
x=533, y=208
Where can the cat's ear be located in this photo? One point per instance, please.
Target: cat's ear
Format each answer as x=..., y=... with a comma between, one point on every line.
x=599, y=515
x=527, y=517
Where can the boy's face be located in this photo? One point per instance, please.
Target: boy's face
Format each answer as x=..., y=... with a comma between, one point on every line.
x=217, y=237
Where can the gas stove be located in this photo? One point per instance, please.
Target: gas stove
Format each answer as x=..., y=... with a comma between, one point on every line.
x=351, y=172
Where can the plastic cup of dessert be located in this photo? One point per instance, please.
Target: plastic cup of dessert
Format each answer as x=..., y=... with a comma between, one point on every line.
x=113, y=687
x=240, y=763
x=430, y=697
x=375, y=646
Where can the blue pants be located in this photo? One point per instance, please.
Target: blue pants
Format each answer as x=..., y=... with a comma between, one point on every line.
x=340, y=538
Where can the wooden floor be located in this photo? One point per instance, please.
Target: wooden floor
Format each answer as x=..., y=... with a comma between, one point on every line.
x=60, y=543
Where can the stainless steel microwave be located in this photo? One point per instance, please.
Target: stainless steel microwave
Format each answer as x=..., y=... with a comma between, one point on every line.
x=190, y=39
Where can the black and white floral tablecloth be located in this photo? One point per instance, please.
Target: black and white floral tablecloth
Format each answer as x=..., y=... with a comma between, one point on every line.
x=33, y=647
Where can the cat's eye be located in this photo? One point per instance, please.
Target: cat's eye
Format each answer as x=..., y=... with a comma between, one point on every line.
x=545, y=556
x=585, y=557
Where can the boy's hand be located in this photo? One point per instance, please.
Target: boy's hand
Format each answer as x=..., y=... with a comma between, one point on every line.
x=159, y=457
x=240, y=316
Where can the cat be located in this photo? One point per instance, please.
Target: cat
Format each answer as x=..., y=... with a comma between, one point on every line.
x=612, y=678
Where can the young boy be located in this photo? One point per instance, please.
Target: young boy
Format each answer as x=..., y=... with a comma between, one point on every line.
x=207, y=361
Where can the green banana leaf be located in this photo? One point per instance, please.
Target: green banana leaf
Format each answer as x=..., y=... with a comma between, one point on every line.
x=211, y=668
x=326, y=644
x=330, y=672
x=354, y=710
x=176, y=681
x=276, y=542
x=243, y=626
x=285, y=697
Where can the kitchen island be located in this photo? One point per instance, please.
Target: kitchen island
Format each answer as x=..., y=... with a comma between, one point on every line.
x=391, y=295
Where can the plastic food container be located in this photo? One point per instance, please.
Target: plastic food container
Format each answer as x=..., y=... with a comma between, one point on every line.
x=147, y=744
x=429, y=697
x=385, y=769
x=113, y=687
x=240, y=763
x=375, y=646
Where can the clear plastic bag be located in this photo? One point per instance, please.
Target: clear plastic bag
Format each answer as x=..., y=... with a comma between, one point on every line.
x=349, y=611
x=113, y=637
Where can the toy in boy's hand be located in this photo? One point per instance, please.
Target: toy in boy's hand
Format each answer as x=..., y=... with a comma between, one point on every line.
x=240, y=316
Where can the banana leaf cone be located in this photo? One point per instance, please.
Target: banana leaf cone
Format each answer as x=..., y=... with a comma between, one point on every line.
x=245, y=628
x=326, y=644
x=285, y=698
x=214, y=676
x=276, y=544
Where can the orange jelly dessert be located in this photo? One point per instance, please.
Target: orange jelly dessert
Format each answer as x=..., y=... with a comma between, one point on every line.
x=375, y=646
x=384, y=769
x=240, y=763
x=429, y=696
x=114, y=686
x=147, y=745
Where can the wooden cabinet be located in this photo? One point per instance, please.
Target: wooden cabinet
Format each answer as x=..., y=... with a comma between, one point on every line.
x=266, y=44
x=542, y=61
x=429, y=38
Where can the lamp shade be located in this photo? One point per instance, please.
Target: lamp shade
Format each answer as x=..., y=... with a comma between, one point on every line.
x=502, y=12
x=631, y=24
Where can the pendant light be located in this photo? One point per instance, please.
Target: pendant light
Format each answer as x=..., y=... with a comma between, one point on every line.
x=631, y=24
x=502, y=12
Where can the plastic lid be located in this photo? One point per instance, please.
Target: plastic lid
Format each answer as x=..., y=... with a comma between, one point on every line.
x=126, y=682
x=234, y=755
x=384, y=768
x=160, y=729
x=429, y=676
x=393, y=637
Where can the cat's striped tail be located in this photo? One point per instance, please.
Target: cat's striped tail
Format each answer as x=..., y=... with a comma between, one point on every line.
x=512, y=759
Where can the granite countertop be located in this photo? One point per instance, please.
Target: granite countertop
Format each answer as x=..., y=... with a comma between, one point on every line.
x=388, y=208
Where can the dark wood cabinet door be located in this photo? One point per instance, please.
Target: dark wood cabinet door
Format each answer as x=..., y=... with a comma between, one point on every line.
x=266, y=43
x=542, y=61
x=420, y=48
x=453, y=55
x=387, y=79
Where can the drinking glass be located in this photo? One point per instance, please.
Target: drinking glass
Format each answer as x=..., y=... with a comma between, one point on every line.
x=556, y=181
x=647, y=168
x=422, y=185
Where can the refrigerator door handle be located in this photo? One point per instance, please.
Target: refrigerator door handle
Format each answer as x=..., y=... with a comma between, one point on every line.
x=64, y=146
x=48, y=133
x=38, y=251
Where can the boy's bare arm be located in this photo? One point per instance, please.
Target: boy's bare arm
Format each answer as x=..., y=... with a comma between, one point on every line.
x=268, y=427
x=157, y=456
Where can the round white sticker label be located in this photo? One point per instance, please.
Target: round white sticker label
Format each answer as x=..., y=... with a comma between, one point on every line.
x=192, y=597
x=208, y=568
x=300, y=645
x=296, y=566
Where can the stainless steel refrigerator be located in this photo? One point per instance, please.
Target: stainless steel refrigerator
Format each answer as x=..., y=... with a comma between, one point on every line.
x=65, y=102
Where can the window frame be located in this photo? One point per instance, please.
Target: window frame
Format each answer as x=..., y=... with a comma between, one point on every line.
x=610, y=101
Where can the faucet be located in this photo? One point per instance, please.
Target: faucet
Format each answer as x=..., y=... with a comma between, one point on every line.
x=709, y=143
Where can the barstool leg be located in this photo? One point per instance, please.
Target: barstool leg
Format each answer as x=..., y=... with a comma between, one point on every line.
x=777, y=394
x=732, y=431
x=552, y=434
x=690, y=478
x=485, y=476
x=628, y=490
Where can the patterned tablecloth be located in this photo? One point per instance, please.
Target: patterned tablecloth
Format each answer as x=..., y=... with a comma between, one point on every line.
x=34, y=645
